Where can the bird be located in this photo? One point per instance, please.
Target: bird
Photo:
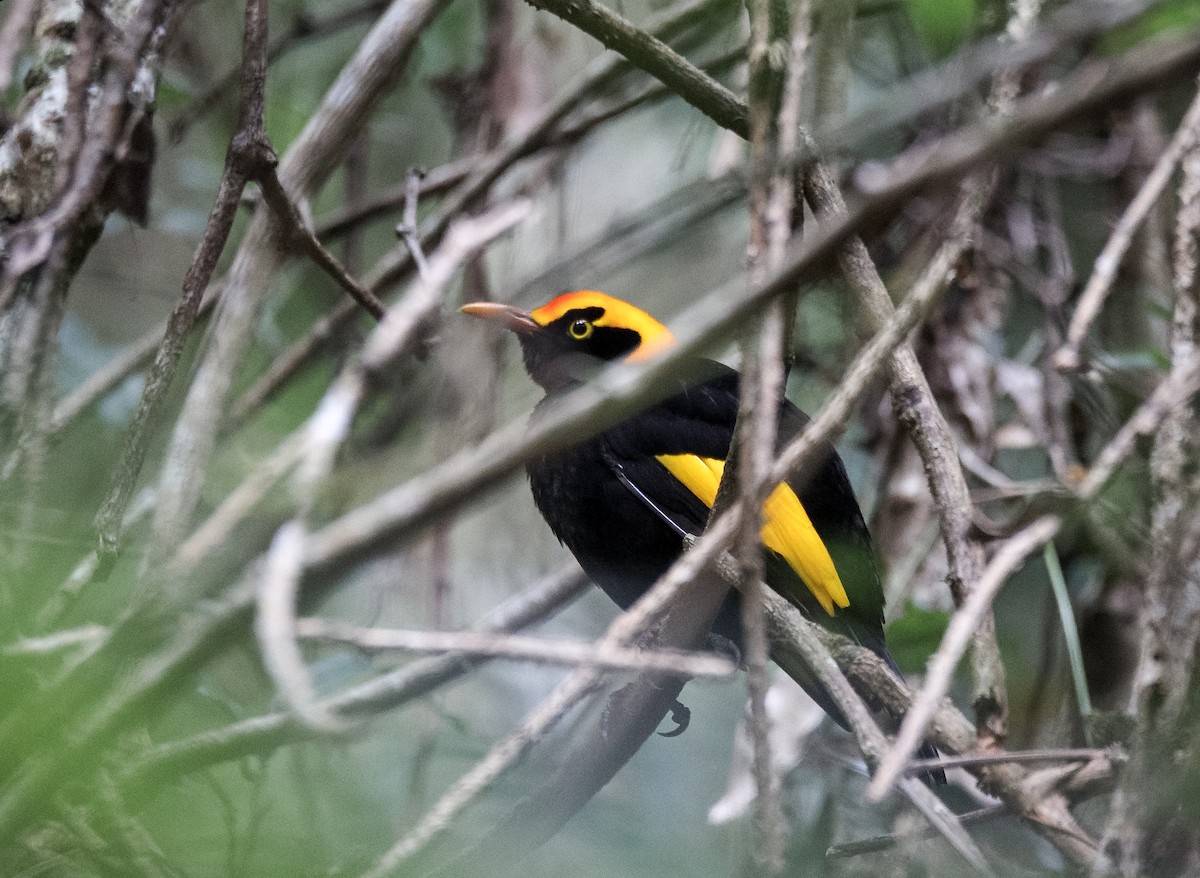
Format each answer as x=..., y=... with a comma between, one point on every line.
x=624, y=500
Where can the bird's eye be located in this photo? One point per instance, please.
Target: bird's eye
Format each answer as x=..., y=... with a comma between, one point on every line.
x=580, y=329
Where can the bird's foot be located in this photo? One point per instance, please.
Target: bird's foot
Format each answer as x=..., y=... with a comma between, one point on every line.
x=681, y=715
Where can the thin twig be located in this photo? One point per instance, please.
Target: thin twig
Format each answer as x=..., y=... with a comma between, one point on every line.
x=303, y=29
x=887, y=842
x=970, y=760
x=58, y=641
x=246, y=151
x=1179, y=385
x=516, y=648
x=407, y=229
x=301, y=231
x=761, y=389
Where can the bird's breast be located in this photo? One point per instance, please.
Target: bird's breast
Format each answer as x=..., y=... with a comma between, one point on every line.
x=620, y=543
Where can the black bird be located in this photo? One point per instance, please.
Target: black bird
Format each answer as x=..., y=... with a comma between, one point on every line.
x=622, y=500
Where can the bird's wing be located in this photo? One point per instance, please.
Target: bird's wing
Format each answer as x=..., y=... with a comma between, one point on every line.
x=672, y=456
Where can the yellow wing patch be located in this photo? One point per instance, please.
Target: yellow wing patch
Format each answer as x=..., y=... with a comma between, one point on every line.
x=786, y=530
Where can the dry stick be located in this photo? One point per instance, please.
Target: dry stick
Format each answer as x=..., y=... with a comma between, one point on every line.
x=887, y=842
x=436, y=182
x=245, y=153
x=1064, y=754
x=761, y=389
x=655, y=57
x=387, y=692
x=275, y=629
x=295, y=224
x=506, y=646
x=617, y=392
x=1104, y=271
x=407, y=229
x=1168, y=615
x=59, y=641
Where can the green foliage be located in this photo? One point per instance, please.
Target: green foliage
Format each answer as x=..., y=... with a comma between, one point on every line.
x=913, y=637
x=943, y=25
x=1171, y=19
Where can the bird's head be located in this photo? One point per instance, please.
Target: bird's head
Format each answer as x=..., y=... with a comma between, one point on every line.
x=566, y=339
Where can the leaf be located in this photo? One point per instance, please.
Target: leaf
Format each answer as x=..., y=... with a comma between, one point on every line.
x=942, y=25
x=913, y=637
x=1165, y=20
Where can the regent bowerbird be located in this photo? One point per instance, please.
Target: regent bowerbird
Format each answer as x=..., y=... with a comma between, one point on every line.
x=623, y=500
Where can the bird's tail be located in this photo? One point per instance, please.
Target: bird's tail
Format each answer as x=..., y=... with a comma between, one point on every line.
x=936, y=777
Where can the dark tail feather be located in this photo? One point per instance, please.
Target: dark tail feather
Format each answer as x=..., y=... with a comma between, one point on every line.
x=936, y=777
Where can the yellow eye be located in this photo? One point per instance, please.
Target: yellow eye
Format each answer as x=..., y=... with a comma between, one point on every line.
x=580, y=329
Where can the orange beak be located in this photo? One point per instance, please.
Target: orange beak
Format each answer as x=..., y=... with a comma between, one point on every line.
x=508, y=316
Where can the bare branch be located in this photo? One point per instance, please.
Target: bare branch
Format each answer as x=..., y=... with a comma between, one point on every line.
x=299, y=229
x=246, y=151
x=508, y=646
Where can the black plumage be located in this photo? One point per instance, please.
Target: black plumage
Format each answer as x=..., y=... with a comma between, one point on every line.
x=615, y=504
